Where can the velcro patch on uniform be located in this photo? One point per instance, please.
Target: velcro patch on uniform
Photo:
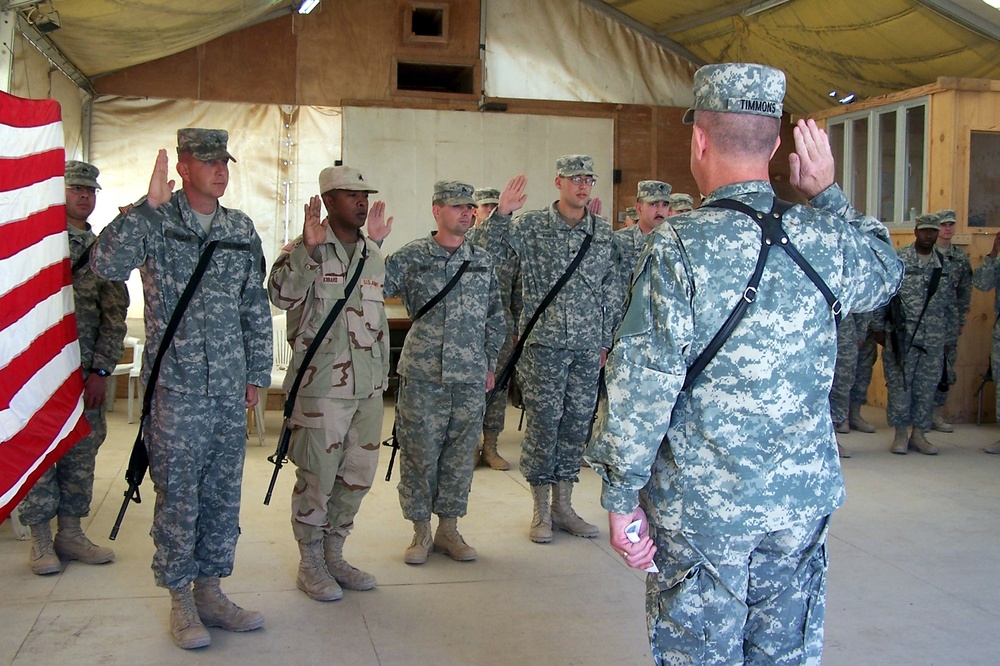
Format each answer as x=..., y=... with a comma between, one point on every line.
x=179, y=235
x=370, y=283
x=477, y=269
x=234, y=245
x=333, y=279
x=761, y=107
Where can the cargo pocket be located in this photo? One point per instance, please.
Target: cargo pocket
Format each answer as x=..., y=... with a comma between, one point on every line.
x=679, y=625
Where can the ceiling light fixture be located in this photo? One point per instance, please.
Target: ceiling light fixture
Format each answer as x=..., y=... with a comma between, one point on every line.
x=847, y=100
x=763, y=7
x=307, y=6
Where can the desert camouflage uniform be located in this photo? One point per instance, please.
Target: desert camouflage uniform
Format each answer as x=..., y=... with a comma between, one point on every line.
x=67, y=488
x=559, y=368
x=443, y=366
x=911, y=387
x=196, y=433
x=337, y=419
x=853, y=330
x=987, y=277
x=961, y=273
x=743, y=464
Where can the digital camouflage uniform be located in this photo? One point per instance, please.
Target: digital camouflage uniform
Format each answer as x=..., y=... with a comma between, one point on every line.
x=559, y=367
x=867, y=354
x=629, y=241
x=196, y=433
x=67, y=487
x=739, y=473
x=985, y=278
x=337, y=418
x=443, y=366
x=960, y=269
x=911, y=384
x=681, y=203
x=852, y=331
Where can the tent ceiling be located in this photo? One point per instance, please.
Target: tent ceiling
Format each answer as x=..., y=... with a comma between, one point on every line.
x=865, y=47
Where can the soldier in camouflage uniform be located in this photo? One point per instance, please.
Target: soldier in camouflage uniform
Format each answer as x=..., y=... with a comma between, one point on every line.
x=487, y=201
x=961, y=273
x=738, y=473
x=680, y=203
x=66, y=488
x=987, y=277
x=631, y=218
x=210, y=373
x=337, y=418
x=851, y=335
x=558, y=371
x=652, y=205
x=447, y=365
x=915, y=330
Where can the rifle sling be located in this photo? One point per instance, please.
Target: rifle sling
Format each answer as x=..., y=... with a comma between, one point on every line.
x=931, y=290
x=438, y=297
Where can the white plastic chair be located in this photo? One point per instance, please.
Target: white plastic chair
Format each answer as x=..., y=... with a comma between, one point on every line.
x=134, y=385
x=121, y=369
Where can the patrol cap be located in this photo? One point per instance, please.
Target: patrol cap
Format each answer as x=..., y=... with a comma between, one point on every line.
x=738, y=88
x=453, y=193
x=575, y=165
x=927, y=221
x=343, y=178
x=203, y=144
x=632, y=213
x=487, y=195
x=681, y=203
x=945, y=216
x=81, y=173
x=651, y=191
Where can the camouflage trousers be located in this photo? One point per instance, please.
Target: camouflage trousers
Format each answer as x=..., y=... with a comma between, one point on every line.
x=438, y=427
x=67, y=488
x=911, y=388
x=843, y=379
x=995, y=366
x=197, y=445
x=948, y=373
x=495, y=413
x=335, y=447
x=559, y=387
x=754, y=599
x=863, y=371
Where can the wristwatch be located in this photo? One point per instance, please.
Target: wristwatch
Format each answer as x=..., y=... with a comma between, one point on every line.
x=101, y=372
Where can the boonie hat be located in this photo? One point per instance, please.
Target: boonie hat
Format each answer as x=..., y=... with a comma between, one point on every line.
x=453, y=193
x=575, y=165
x=343, y=178
x=738, y=88
x=204, y=145
x=81, y=173
x=651, y=191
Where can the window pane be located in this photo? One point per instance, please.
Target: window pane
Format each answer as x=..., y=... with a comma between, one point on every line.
x=887, y=166
x=859, y=164
x=984, y=189
x=836, y=134
x=915, y=160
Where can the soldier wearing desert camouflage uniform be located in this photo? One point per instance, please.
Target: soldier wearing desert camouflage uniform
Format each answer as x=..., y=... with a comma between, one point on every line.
x=446, y=366
x=210, y=374
x=738, y=473
x=961, y=298
x=337, y=418
x=66, y=489
x=558, y=371
x=913, y=358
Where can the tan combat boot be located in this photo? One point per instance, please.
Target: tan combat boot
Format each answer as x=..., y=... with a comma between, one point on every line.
x=72, y=544
x=856, y=421
x=993, y=449
x=216, y=610
x=842, y=428
x=477, y=456
x=490, y=455
x=350, y=578
x=314, y=578
x=938, y=423
x=900, y=442
x=185, y=624
x=842, y=452
x=447, y=540
x=565, y=518
x=920, y=443
x=43, y=558
x=420, y=547
x=541, y=520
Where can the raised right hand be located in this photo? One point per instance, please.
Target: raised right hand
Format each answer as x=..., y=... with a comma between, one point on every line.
x=513, y=196
x=314, y=228
x=160, y=189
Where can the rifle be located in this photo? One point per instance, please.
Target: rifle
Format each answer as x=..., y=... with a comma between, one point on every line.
x=280, y=456
x=392, y=443
x=138, y=461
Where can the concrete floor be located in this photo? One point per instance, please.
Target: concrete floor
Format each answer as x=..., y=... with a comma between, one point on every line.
x=914, y=575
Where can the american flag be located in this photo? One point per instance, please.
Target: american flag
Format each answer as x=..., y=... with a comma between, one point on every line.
x=41, y=386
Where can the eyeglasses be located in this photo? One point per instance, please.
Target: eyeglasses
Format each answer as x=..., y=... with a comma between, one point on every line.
x=582, y=180
x=81, y=189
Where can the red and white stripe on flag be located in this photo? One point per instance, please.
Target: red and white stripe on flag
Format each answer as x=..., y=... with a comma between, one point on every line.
x=41, y=386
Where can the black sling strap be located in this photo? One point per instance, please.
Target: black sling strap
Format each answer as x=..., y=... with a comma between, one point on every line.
x=82, y=260
x=772, y=233
x=504, y=377
x=438, y=297
x=931, y=290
